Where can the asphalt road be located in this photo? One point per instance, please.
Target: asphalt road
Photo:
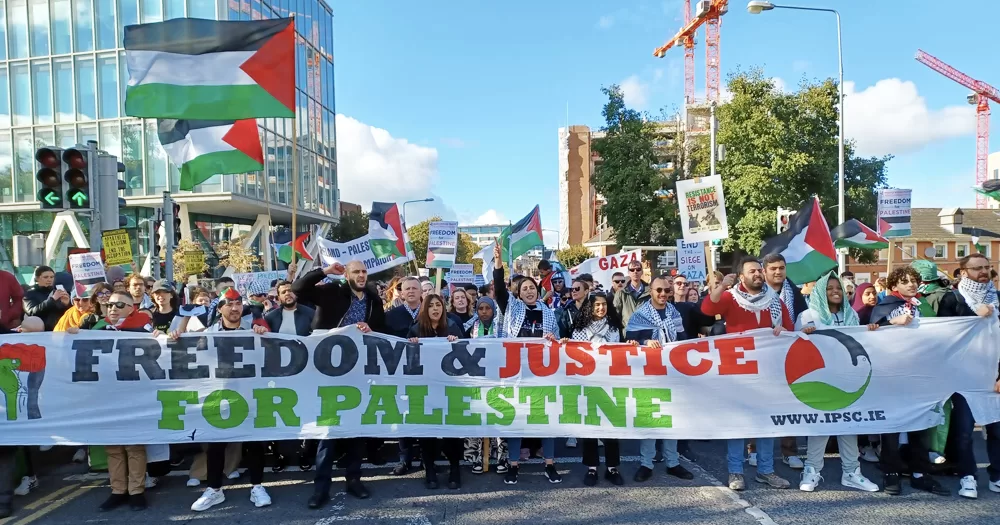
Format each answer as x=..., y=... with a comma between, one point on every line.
x=66, y=495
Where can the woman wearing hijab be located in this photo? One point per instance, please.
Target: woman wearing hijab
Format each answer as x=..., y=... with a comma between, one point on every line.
x=486, y=324
x=598, y=323
x=525, y=316
x=433, y=322
x=828, y=308
x=865, y=299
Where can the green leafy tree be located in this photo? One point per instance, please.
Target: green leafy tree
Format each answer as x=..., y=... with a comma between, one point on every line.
x=781, y=149
x=632, y=187
x=571, y=256
x=351, y=226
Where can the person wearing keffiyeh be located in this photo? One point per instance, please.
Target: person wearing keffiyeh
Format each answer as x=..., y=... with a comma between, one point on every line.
x=486, y=324
x=828, y=309
x=975, y=296
x=901, y=307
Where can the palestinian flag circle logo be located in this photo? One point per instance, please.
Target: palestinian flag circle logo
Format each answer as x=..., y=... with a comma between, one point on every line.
x=829, y=371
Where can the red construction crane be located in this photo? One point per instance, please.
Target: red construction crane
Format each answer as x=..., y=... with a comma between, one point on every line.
x=982, y=94
x=709, y=14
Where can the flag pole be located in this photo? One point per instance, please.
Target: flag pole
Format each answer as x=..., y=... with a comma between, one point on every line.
x=295, y=180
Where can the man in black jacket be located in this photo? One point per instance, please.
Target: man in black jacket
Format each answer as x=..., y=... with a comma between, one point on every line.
x=975, y=295
x=339, y=304
x=399, y=319
x=290, y=317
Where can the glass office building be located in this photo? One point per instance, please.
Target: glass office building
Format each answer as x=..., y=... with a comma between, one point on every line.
x=62, y=82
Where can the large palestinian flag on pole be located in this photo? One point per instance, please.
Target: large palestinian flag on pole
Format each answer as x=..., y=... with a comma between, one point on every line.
x=854, y=234
x=385, y=230
x=522, y=236
x=194, y=69
x=203, y=148
x=806, y=245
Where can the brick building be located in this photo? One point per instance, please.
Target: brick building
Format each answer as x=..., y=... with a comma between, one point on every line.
x=942, y=235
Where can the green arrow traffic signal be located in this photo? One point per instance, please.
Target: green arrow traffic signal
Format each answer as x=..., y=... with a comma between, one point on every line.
x=51, y=199
x=78, y=198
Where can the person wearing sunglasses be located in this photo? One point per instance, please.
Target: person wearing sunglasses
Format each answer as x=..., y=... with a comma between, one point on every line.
x=634, y=293
x=618, y=281
x=578, y=295
x=82, y=306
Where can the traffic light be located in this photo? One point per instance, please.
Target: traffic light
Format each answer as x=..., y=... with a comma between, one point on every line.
x=158, y=237
x=78, y=178
x=111, y=203
x=177, y=222
x=784, y=219
x=49, y=177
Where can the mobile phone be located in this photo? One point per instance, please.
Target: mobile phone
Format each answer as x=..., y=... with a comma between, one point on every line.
x=60, y=288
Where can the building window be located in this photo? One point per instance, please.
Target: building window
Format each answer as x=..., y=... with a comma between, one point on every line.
x=64, y=90
x=961, y=250
x=132, y=155
x=128, y=14
x=4, y=97
x=201, y=9
x=62, y=42
x=940, y=251
x=175, y=9
x=909, y=251
x=984, y=248
x=39, y=13
x=106, y=35
x=86, y=94
x=21, y=97
x=107, y=70
x=17, y=23
x=83, y=25
x=883, y=254
x=41, y=84
x=24, y=154
x=6, y=169
x=152, y=11
x=156, y=162
x=65, y=136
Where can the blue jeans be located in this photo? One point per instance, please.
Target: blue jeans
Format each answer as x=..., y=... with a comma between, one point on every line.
x=353, y=450
x=963, y=428
x=765, y=455
x=548, y=448
x=647, y=449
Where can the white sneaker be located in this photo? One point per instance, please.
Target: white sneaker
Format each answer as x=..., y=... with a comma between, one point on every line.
x=857, y=480
x=968, y=487
x=571, y=442
x=995, y=486
x=151, y=482
x=28, y=483
x=868, y=454
x=259, y=496
x=234, y=474
x=936, y=458
x=794, y=462
x=80, y=456
x=600, y=443
x=752, y=459
x=210, y=498
x=193, y=482
x=810, y=480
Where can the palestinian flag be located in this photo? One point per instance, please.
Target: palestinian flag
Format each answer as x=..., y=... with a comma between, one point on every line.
x=298, y=247
x=854, y=234
x=898, y=226
x=806, y=245
x=203, y=148
x=190, y=68
x=990, y=188
x=385, y=230
x=521, y=237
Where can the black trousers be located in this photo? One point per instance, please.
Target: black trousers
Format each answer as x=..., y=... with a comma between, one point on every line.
x=352, y=449
x=431, y=448
x=7, y=466
x=592, y=457
x=253, y=458
x=890, y=460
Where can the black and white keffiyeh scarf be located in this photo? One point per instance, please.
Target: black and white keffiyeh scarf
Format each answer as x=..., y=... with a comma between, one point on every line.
x=766, y=299
x=977, y=294
x=598, y=331
x=788, y=297
x=513, y=319
x=413, y=313
x=647, y=318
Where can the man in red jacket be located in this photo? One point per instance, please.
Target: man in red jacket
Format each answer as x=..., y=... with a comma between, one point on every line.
x=749, y=305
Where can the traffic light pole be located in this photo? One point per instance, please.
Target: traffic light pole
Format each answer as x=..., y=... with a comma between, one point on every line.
x=154, y=259
x=168, y=224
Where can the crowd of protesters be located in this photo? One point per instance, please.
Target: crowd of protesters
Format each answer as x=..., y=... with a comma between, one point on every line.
x=650, y=312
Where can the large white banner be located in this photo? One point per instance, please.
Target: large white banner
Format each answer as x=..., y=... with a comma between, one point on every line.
x=357, y=250
x=105, y=387
x=604, y=268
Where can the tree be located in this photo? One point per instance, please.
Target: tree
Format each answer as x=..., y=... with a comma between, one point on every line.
x=628, y=180
x=351, y=226
x=781, y=149
x=571, y=256
x=232, y=254
x=180, y=270
x=418, y=238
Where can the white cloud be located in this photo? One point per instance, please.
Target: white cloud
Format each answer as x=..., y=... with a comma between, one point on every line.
x=635, y=91
x=375, y=166
x=779, y=84
x=491, y=217
x=606, y=21
x=891, y=117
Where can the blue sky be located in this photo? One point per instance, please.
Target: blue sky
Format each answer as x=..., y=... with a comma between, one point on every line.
x=462, y=100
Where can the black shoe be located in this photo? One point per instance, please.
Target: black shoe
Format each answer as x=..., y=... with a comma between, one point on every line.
x=5, y=511
x=317, y=501
x=929, y=484
x=590, y=478
x=357, y=489
x=455, y=478
x=402, y=469
x=552, y=474
x=113, y=502
x=684, y=449
x=643, y=474
x=614, y=476
x=680, y=472
x=510, y=478
x=137, y=502
x=890, y=483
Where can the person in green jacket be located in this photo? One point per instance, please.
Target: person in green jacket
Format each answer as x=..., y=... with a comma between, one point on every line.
x=933, y=287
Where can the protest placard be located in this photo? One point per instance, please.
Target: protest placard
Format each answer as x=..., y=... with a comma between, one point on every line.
x=245, y=280
x=194, y=261
x=702, y=209
x=461, y=274
x=894, y=212
x=117, y=247
x=442, y=244
x=603, y=268
x=691, y=260
x=87, y=270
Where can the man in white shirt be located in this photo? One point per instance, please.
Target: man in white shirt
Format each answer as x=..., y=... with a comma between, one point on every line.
x=290, y=317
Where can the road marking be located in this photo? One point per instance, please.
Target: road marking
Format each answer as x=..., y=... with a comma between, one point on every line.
x=754, y=511
x=337, y=506
x=55, y=504
x=49, y=497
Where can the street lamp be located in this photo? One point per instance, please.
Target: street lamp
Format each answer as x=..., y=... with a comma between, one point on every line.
x=755, y=7
x=428, y=199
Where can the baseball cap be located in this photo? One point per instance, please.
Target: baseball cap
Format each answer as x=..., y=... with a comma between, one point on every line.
x=163, y=285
